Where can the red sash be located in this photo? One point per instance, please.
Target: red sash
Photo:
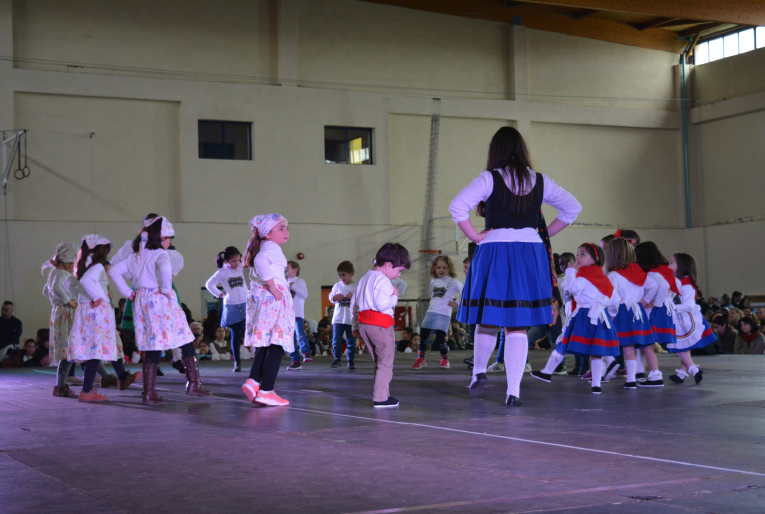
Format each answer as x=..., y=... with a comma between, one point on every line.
x=634, y=274
x=594, y=275
x=378, y=319
x=668, y=275
x=686, y=281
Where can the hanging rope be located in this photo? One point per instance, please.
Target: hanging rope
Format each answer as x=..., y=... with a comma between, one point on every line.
x=427, y=239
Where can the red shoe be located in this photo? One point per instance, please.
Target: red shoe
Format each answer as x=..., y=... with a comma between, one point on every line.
x=307, y=357
x=445, y=364
x=271, y=399
x=92, y=396
x=250, y=389
x=419, y=363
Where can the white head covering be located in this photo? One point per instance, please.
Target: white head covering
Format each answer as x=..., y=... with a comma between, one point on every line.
x=65, y=252
x=93, y=240
x=166, y=231
x=265, y=222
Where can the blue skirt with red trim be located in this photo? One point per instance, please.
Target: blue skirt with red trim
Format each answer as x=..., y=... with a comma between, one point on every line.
x=630, y=332
x=693, y=332
x=663, y=325
x=584, y=338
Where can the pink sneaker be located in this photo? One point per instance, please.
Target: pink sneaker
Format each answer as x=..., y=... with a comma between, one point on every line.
x=419, y=363
x=587, y=376
x=445, y=364
x=307, y=357
x=250, y=389
x=271, y=399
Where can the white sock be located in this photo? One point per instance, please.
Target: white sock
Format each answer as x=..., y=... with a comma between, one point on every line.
x=681, y=373
x=597, y=371
x=693, y=369
x=631, y=367
x=552, y=362
x=483, y=345
x=606, y=363
x=177, y=354
x=516, y=351
x=655, y=375
x=639, y=360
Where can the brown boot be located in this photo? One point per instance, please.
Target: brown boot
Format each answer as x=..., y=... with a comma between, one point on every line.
x=129, y=379
x=194, y=384
x=150, y=396
x=108, y=381
x=63, y=392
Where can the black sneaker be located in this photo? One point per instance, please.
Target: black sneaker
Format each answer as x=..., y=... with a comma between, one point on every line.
x=468, y=361
x=698, y=376
x=387, y=404
x=180, y=367
x=597, y=390
x=353, y=366
x=560, y=370
x=159, y=372
x=651, y=383
x=609, y=370
x=295, y=365
x=639, y=377
x=513, y=401
x=574, y=373
x=676, y=379
x=335, y=363
x=544, y=377
x=630, y=385
x=477, y=383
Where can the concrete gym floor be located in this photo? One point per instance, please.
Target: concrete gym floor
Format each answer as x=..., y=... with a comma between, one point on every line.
x=681, y=449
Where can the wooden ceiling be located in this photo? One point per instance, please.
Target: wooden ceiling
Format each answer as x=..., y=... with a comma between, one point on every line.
x=658, y=24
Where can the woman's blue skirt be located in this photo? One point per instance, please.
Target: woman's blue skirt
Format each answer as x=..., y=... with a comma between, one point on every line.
x=663, y=325
x=633, y=333
x=507, y=285
x=584, y=338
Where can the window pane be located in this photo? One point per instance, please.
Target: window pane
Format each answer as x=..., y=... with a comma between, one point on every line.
x=746, y=41
x=210, y=140
x=716, y=49
x=334, y=145
x=730, y=44
x=359, y=141
x=237, y=141
x=701, y=54
x=760, y=37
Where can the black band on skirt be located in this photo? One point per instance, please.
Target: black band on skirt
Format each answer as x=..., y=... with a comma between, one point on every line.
x=506, y=304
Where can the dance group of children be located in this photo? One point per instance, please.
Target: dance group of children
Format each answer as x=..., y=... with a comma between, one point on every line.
x=510, y=284
x=642, y=300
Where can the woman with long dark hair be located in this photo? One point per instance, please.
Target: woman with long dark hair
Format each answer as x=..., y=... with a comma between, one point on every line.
x=508, y=284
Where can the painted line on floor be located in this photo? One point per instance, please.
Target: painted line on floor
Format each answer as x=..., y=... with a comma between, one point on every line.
x=535, y=496
x=518, y=439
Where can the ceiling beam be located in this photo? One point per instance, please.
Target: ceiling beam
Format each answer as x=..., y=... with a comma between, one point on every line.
x=744, y=12
x=583, y=13
x=698, y=28
x=544, y=19
x=652, y=24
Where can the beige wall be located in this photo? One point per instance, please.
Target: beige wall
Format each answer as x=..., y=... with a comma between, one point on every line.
x=564, y=69
x=731, y=77
x=358, y=65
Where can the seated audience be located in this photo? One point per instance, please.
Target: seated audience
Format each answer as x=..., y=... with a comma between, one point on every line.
x=725, y=301
x=734, y=318
x=203, y=351
x=31, y=357
x=749, y=341
x=196, y=328
x=406, y=339
x=198, y=338
x=10, y=329
x=219, y=350
x=735, y=298
x=415, y=344
x=726, y=335
x=760, y=313
x=210, y=324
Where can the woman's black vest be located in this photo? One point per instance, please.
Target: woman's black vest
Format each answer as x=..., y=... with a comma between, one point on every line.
x=498, y=214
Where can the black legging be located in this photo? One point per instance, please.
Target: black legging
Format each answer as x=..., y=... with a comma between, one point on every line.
x=91, y=368
x=440, y=341
x=237, y=336
x=265, y=366
x=153, y=356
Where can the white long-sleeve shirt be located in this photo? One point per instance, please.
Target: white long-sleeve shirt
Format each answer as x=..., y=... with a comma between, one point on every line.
x=176, y=261
x=443, y=291
x=480, y=189
x=342, y=314
x=687, y=299
x=631, y=294
x=374, y=292
x=587, y=295
x=270, y=263
x=400, y=286
x=54, y=289
x=94, y=285
x=664, y=295
x=151, y=272
x=233, y=282
x=299, y=287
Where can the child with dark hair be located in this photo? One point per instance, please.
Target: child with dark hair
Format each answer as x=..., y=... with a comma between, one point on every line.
x=230, y=275
x=93, y=337
x=629, y=235
x=749, y=341
x=444, y=288
x=406, y=339
x=341, y=295
x=590, y=329
x=299, y=292
x=693, y=331
x=373, y=306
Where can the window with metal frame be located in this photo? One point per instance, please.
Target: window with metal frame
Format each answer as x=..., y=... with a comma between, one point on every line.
x=348, y=145
x=230, y=140
x=728, y=45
